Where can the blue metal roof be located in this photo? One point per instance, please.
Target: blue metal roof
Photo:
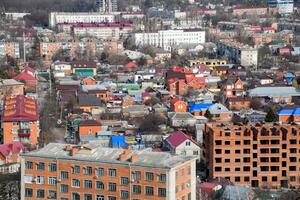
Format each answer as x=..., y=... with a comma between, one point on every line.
x=292, y=112
x=199, y=106
x=118, y=141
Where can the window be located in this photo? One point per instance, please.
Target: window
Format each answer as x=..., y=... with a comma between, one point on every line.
x=64, y=175
x=124, y=194
x=76, y=169
x=112, y=198
x=75, y=183
x=246, y=179
x=40, y=193
x=124, y=181
x=149, y=190
x=40, y=166
x=52, y=194
x=161, y=192
x=162, y=177
x=182, y=186
x=182, y=172
x=188, y=143
x=176, y=175
x=237, y=179
x=28, y=192
x=87, y=170
x=99, y=197
x=64, y=188
x=88, y=197
x=136, y=189
x=99, y=185
x=274, y=178
x=218, y=169
x=227, y=151
x=29, y=165
x=52, y=167
x=112, y=186
x=52, y=180
x=149, y=176
x=227, y=160
x=237, y=151
x=227, y=169
x=99, y=171
x=75, y=196
x=136, y=175
x=112, y=172
x=195, y=153
x=88, y=184
x=40, y=180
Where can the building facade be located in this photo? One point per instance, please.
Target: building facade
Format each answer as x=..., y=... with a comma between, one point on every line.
x=11, y=49
x=107, y=6
x=284, y=7
x=61, y=171
x=256, y=155
x=166, y=39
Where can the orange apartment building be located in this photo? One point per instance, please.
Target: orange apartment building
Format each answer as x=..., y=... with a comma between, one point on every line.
x=256, y=155
x=60, y=171
x=20, y=120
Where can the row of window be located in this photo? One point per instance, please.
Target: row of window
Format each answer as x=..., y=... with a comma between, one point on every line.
x=136, y=175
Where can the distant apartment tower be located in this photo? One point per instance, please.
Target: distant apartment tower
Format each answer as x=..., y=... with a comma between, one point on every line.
x=256, y=155
x=166, y=39
x=283, y=7
x=107, y=6
x=91, y=172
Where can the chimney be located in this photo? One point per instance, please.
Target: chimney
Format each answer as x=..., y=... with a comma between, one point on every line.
x=124, y=154
x=73, y=151
x=133, y=157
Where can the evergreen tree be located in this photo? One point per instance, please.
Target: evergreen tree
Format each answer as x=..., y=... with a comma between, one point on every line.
x=271, y=116
x=208, y=115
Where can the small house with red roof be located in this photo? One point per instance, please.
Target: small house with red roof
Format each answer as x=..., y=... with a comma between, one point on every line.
x=130, y=66
x=10, y=157
x=178, y=105
x=181, y=144
x=29, y=70
x=29, y=80
x=20, y=120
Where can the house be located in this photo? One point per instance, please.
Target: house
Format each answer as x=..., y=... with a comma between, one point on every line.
x=98, y=90
x=88, y=102
x=178, y=105
x=233, y=87
x=181, y=119
x=135, y=111
x=84, y=68
x=181, y=144
x=10, y=87
x=265, y=79
x=89, y=127
x=88, y=81
x=10, y=157
x=30, y=82
x=289, y=115
x=62, y=67
x=199, y=109
x=220, y=113
x=131, y=66
x=160, y=109
x=238, y=103
x=201, y=96
x=276, y=94
x=220, y=71
x=29, y=70
x=20, y=120
x=128, y=100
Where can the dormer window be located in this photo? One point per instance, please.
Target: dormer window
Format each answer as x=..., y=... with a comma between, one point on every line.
x=188, y=143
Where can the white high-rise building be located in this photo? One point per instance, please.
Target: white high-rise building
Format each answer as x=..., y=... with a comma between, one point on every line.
x=107, y=6
x=284, y=7
x=166, y=39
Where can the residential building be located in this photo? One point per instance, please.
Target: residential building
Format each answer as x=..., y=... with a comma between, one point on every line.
x=255, y=155
x=238, y=52
x=107, y=6
x=283, y=7
x=289, y=115
x=211, y=63
x=182, y=144
x=166, y=39
x=233, y=87
x=178, y=105
x=20, y=120
x=84, y=68
x=78, y=17
x=255, y=11
x=29, y=80
x=63, y=171
x=11, y=49
x=10, y=157
x=220, y=113
x=10, y=87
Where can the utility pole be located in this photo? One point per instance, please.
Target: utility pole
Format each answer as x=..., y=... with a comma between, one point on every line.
x=24, y=48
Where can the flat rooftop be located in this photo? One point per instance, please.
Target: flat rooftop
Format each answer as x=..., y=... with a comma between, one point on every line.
x=94, y=153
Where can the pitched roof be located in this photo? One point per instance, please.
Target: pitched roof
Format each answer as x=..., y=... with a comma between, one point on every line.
x=131, y=65
x=24, y=76
x=29, y=69
x=89, y=100
x=177, y=138
x=20, y=108
x=14, y=148
x=89, y=122
x=199, y=106
x=291, y=112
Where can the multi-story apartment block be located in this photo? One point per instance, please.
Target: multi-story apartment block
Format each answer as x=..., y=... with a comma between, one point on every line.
x=257, y=155
x=11, y=49
x=284, y=7
x=20, y=121
x=237, y=52
x=78, y=17
x=166, y=39
x=107, y=6
x=209, y=62
x=60, y=171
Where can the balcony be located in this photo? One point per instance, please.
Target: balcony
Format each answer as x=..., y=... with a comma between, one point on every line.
x=24, y=132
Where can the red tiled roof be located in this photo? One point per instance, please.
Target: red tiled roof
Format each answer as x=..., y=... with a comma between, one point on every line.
x=131, y=65
x=177, y=138
x=175, y=100
x=29, y=69
x=20, y=108
x=14, y=148
x=24, y=76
